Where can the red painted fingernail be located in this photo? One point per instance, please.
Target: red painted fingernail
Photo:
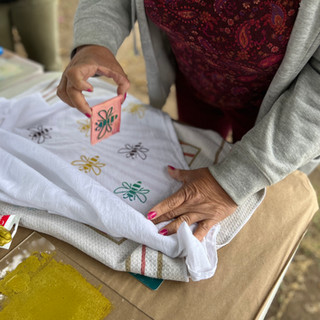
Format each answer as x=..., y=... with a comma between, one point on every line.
x=89, y=90
x=172, y=168
x=151, y=215
x=88, y=115
x=163, y=232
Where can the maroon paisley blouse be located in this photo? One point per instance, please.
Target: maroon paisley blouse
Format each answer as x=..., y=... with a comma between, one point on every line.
x=227, y=52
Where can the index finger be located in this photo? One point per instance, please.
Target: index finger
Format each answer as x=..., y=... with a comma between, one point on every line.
x=78, y=100
x=167, y=205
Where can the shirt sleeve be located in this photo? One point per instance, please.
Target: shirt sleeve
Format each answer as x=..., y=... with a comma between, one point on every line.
x=102, y=22
x=285, y=139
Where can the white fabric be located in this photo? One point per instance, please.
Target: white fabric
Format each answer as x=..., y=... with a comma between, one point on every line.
x=36, y=171
x=200, y=149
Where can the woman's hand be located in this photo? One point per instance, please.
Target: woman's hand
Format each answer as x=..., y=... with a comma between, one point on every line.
x=201, y=199
x=87, y=62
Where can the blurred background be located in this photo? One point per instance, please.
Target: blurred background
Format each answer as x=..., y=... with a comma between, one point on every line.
x=299, y=295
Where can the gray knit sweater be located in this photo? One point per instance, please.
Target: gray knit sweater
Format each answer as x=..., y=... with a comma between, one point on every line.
x=286, y=135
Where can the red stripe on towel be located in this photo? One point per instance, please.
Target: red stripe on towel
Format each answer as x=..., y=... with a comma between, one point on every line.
x=143, y=259
x=189, y=154
x=4, y=219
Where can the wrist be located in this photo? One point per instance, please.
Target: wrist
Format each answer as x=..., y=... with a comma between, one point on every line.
x=239, y=175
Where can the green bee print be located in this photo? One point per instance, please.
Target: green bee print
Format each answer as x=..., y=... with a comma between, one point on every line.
x=132, y=191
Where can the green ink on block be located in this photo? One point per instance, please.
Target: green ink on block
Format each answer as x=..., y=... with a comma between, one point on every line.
x=104, y=124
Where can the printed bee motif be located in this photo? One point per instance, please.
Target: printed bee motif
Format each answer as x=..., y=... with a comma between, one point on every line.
x=89, y=164
x=137, y=109
x=39, y=133
x=134, y=151
x=132, y=191
x=104, y=124
x=84, y=126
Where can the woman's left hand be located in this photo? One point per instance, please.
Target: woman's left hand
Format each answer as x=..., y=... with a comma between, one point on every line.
x=201, y=199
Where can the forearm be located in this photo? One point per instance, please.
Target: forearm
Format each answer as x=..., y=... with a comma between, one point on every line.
x=102, y=22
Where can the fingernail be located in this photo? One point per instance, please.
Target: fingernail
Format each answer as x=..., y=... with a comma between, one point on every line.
x=89, y=90
x=172, y=168
x=163, y=232
x=151, y=215
x=88, y=115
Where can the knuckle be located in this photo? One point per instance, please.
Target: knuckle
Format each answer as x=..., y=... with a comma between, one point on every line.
x=198, y=197
x=73, y=79
x=193, y=194
x=60, y=92
x=185, y=218
x=172, y=203
x=205, y=227
x=170, y=215
x=70, y=72
x=187, y=193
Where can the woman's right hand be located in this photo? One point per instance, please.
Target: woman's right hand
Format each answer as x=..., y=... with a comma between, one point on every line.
x=89, y=61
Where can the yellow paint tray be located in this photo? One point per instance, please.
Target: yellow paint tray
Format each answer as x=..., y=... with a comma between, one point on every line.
x=36, y=269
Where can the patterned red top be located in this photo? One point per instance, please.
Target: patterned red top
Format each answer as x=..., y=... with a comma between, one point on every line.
x=228, y=51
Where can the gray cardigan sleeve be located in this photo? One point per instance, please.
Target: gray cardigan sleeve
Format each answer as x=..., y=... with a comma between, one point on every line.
x=285, y=139
x=102, y=22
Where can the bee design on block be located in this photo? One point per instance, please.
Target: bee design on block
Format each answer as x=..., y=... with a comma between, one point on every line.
x=104, y=124
x=132, y=191
x=89, y=164
x=134, y=151
x=39, y=133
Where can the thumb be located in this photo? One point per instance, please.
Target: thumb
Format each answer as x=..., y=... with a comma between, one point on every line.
x=178, y=174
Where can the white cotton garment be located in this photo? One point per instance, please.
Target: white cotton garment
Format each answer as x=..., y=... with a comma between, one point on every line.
x=47, y=162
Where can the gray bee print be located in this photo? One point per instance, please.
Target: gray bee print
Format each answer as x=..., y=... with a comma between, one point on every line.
x=134, y=151
x=39, y=134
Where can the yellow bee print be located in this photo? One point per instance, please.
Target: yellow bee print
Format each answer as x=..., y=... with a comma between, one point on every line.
x=87, y=164
x=137, y=109
x=84, y=126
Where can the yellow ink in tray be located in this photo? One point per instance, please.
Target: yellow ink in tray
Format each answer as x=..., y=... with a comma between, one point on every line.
x=41, y=288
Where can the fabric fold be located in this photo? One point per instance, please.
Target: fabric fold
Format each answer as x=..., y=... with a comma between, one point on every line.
x=38, y=175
